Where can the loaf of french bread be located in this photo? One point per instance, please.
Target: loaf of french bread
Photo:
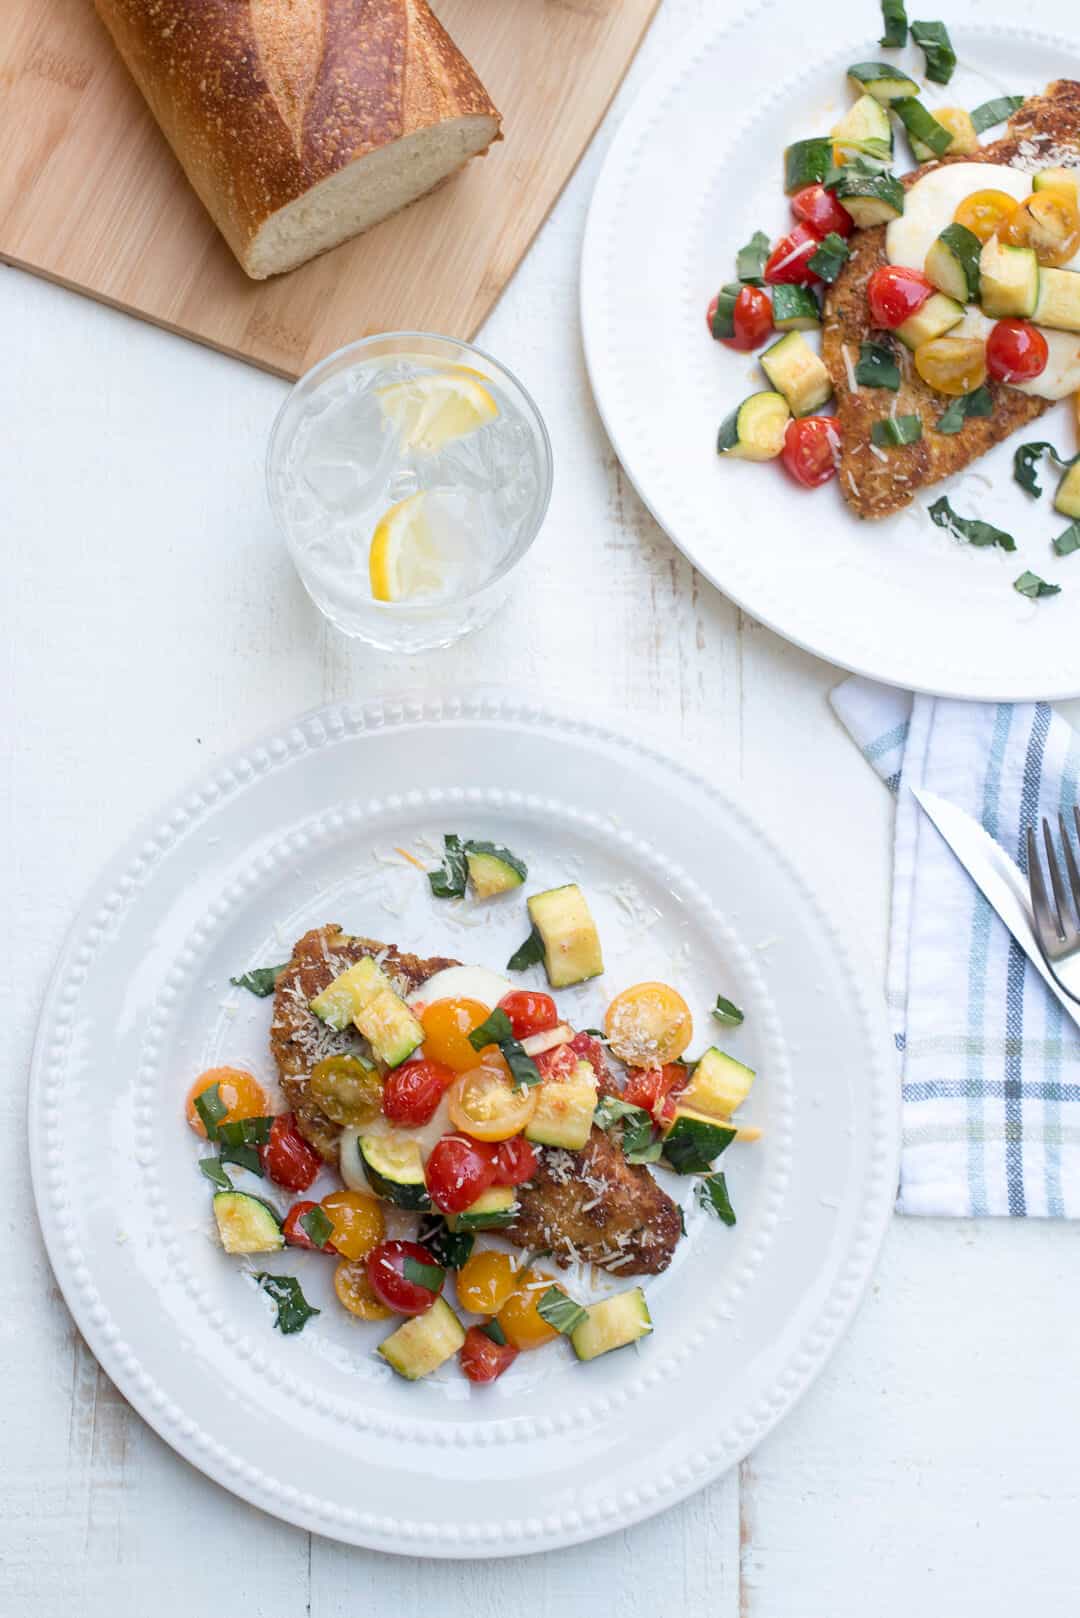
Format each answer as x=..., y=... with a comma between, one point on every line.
x=301, y=123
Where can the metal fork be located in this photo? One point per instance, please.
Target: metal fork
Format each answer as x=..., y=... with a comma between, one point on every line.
x=1057, y=925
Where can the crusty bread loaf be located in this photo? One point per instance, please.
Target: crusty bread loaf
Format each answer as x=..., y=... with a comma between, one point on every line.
x=302, y=122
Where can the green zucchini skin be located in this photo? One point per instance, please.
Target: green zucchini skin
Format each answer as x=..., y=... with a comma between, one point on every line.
x=755, y=429
x=693, y=1144
x=403, y=1193
x=806, y=162
x=795, y=309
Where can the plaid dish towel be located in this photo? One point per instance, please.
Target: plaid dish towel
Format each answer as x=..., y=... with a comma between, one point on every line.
x=990, y=1062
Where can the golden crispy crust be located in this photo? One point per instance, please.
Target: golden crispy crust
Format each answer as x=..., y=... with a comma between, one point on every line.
x=1045, y=131
x=263, y=99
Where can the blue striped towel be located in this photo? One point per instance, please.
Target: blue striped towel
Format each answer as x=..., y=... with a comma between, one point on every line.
x=990, y=1062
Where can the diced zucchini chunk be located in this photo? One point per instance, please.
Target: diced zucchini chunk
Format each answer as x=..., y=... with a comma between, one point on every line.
x=953, y=263
x=491, y=1211
x=864, y=130
x=961, y=131
x=389, y=1027
x=1067, y=499
x=340, y=1001
x=568, y=933
x=718, y=1085
x=425, y=1342
x=492, y=871
x=1058, y=303
x=612, y=1323
x=938, y=315
x=882, y=80
x=806, y=162
x=564, y=1110
x=798, y=373
x=926, y=134
x=870, y=199
x=755, y=429
x=695, y=1141
x=1008, y=280
x=247, y=1224
x=1056, y=180
x=393, y=1168
x=794, y=309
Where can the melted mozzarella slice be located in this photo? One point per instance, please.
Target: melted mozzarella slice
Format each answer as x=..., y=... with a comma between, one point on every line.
x=463, y=983
x=931, y=204
x=1062, y=374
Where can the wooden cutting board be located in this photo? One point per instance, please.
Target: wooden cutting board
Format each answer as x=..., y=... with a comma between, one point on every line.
x=91, y=195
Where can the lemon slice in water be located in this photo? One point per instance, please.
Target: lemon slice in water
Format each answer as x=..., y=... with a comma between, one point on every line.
x=403, y=560
x=433, y=410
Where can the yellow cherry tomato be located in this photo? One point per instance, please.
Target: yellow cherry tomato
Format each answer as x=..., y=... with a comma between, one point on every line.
x=952, y=365
x=519, y=1318
x=242, y=1095
x=984, y=212
x=447, y=1025
x=1049, y=222
x=346, y=1089
x=485, y=1282
x=354, y=1290
x=357, y=1220
x=648, y=1025
x=484, y=1104
x=958, y=122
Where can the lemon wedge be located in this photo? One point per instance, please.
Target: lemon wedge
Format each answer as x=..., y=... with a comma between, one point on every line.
x=433, y=410
x=403, y=560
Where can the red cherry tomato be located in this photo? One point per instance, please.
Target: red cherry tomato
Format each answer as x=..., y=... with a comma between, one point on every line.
x=752, y=319
x=481, y=1359
x=1016, y=352
x=389, y=1282
x=296, y=1235
x=515, y=1161
x=589, y=1049
x=412, y=1092
x=529, y=1012
x=787, y=263
x=556, y=1064
x=458, y=1171
x=287, y=1158
x=894, y=293
x=811, y=448
x=655, y=1089
x=819, y=210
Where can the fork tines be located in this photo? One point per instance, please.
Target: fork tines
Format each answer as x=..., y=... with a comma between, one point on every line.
x=1056, y=920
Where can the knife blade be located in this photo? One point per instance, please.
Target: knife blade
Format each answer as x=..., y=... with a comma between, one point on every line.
x=997, y=877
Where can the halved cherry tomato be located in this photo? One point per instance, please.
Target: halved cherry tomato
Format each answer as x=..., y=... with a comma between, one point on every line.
x=1016, y=352
x=412, y=1092
x=515, y=1162
x=519, y=1318
x=386, y=1266
x=984, y=212
x=751, y=318
x=952, y=365
x=447, y=1025
x=458, y=1171
x=357, y=1220
x=347, y=1090
x=648, y=1025
x=811, y=451
x=287, y=1158
x=296, y=1235
x=558, y=1063
x=655, y=1089
x=529, y=1012
x=485, y=1281
x=481, y=1359
x=894, y=292
x=241, y=1094
x=589, y=1049
x=485, y=1106
x=1049, y=222
x=819, y=210
x=787, y=263
x=355, y=1291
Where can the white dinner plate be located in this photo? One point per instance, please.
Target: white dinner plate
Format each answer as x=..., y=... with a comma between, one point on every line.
x=302, y=829
x=694, y=170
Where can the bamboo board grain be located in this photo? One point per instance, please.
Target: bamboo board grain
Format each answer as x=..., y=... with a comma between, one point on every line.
x=91, y=195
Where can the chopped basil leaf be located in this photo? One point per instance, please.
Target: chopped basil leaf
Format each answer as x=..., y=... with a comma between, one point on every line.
x=448, y=882
x=646, y=1154
x=246, y=1132
x=1030, y=584
x=637, y=1136
x=498, y=852
x=1069, y=541
x=726, y=1011
x=560, y=1311
x=830, y=258
x=968, y=528
x=867, y=167
x=522, y=1067
x=979, y=403
x=318, y=1226
x=497, y=1030
x=1025, y=465
x=261, y=980
x=531, y=953
x=211, y=1109
x=995, y=112
x=893, y=430
x=877, y=367
x=215, y=1173
x=429, y=1276
x=493, y=1031
x=450, y=1248
x=712, y=1193
x=682, y=1222
x=293, y=1309
x=896, y=24
x=611, y=1110
x=244, y=1156
x=495, y=1332
x=750, y=260
x=940, y=56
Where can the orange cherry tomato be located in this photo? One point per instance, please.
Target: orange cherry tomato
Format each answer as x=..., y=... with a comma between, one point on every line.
x=485, y=1281
x=1049, y=222
x=242, y=1094
x=357, y=1220
x=484, y=1104
x=447, y=1025
x=952, y=365
x=519, y=1318
x=984, y=212
x=648, y=1025
x=355, y=1291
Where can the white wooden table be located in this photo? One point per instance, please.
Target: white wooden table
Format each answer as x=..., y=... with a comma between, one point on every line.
x=150, y=622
